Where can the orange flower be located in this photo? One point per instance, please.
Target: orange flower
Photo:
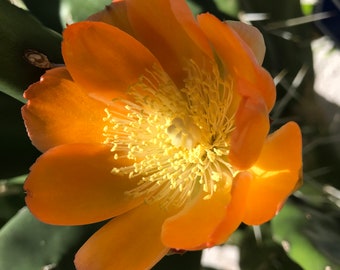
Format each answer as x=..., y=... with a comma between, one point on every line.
x=160, y=121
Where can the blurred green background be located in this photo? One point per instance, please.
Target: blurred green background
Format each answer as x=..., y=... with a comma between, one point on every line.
x=306, y=233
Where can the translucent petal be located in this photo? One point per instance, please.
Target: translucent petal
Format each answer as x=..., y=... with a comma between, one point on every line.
x=130, y=241
x=73, y=184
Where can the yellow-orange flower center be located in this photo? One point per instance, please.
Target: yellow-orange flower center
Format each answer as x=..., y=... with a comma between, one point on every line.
x=178, y=139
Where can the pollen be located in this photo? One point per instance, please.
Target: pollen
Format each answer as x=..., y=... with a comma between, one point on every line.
x=177, y=138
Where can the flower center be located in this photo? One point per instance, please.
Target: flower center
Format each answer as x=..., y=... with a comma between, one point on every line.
x=177, y=139
x=184, y=133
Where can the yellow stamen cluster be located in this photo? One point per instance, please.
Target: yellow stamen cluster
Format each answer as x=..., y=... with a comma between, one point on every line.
x=177, y=138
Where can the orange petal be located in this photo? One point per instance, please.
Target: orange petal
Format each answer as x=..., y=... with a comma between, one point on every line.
x=116, y=15
x=169, y=30
x=252, y=37
x=73, y=184
x=59, y=112
x=130, y=241
x=103, y=60
x=190, y=228
x=238, y=59
x=235, y=210
x=252, y=127
x=276, y=174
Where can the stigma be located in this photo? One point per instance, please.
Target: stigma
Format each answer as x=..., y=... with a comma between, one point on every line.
x=177, y=138
x=184, y=133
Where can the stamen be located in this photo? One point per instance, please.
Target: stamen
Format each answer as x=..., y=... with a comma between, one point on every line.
x=177, y=138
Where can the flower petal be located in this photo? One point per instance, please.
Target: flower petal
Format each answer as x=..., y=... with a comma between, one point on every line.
x=59, y=112
x=251, y=129
x=103, y=60
x=254, y=85
x=190, y=228
x=252, y=37
x=132, y=239
x=276, y=174
x=116, y=15
x=169, y=30
x=235, y=210
x=239, y=60
x=73, y=184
